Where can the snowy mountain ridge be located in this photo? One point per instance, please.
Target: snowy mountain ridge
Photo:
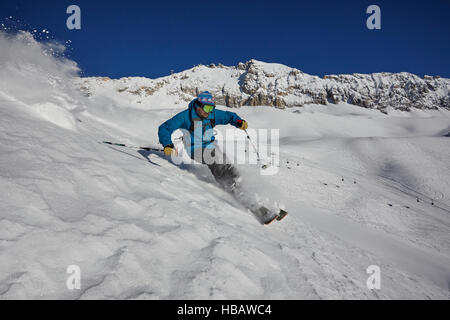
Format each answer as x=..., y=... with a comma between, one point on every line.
x=258, y=83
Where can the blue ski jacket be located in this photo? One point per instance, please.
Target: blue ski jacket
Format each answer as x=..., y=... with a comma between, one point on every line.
x=200, y=130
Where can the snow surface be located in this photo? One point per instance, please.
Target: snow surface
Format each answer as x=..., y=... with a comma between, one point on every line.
x=141, y=227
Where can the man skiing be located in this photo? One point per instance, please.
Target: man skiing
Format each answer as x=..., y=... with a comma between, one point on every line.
x=199, y=120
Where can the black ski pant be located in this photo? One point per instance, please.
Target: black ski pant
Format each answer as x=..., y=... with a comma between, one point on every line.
x=224, y=172
x=227, y=175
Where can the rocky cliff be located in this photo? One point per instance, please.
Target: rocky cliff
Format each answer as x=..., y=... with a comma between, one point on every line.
x=260, y=83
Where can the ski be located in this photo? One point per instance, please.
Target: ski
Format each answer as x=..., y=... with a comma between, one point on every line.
x=132, y=147
x=272, y=217
x=281, y=215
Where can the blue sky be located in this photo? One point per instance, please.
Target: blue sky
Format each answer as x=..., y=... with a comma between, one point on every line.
x=150, y=38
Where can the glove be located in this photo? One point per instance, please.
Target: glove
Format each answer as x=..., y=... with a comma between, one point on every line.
x=169, y=150
x=242, y=124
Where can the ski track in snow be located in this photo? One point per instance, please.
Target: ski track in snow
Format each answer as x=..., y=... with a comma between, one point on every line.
x=141, y=227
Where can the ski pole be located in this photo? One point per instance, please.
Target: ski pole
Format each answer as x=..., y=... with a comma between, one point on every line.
x=133, y=147
x=254, y=148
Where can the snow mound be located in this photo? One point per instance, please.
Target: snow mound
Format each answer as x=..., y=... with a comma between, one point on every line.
x=33, y=77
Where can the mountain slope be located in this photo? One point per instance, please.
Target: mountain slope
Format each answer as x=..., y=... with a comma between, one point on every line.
x=271, y=84
x=150, y=229
x=141, y=227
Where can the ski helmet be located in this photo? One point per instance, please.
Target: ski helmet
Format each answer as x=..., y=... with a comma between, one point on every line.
x=206, y=98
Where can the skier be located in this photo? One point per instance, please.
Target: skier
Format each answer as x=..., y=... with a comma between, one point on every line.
x=199, y=120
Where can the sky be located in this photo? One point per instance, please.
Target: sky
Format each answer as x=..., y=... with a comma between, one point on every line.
x=152, y=38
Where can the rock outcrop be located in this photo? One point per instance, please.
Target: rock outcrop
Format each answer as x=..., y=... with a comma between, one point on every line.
x=259, y=83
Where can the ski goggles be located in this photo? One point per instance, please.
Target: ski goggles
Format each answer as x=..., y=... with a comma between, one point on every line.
x=208, y=108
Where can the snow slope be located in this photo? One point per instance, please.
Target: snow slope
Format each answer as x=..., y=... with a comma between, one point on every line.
x=141, y=227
